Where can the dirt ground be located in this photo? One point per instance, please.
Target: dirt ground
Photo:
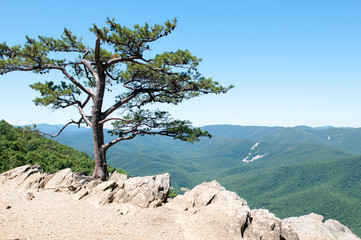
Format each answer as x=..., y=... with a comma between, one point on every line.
x=56, y=215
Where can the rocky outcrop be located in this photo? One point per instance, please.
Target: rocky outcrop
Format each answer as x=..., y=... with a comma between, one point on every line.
x=32, y=177
x=127, y=194
x=138, y=192
x=208, y=211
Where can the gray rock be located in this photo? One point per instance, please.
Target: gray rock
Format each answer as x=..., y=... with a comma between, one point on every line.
x=312, y=227
x=86, y=188
x=30, y=196
x=338, y=230
x=215, y=221
x=203, y=195
x=118, y=177
x=25, y=176
x=60, y=179
x=288, y=233
x=103, y=193
x=65, y=180
x=209, y=211
x=143, y=192
x=11, y=174
x=263, y=225
x=149, y=191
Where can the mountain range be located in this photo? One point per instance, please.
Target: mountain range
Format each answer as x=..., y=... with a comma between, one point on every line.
x=290, y=171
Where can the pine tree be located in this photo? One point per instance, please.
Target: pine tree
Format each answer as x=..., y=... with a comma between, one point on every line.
x=117, y=59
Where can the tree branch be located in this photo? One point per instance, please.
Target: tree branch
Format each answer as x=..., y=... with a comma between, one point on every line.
x=90, y=68
x=115, y=141
x=120, y=59
x=71, y=122
x=115, y=119
x=109, y=75
x=71, y=78
x=119, y=104
x=136, y=132
x=85, y=102
x=84, y=117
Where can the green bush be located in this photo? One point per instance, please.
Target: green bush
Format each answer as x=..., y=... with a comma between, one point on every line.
x=172, y=194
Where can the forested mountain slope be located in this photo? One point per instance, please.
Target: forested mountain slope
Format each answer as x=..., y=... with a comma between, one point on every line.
x=19, y=146
x=348, y=139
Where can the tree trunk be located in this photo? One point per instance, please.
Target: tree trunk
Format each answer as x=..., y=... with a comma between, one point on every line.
x=101, y=168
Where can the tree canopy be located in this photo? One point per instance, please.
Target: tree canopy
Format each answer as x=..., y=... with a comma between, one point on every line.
x=118, y=59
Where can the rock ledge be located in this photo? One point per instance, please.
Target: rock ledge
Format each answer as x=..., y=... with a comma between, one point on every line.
x=208, y=211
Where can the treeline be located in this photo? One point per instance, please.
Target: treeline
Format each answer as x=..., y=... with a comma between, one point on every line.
x=20, y=146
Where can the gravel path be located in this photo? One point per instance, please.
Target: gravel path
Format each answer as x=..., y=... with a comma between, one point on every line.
x=55, y=215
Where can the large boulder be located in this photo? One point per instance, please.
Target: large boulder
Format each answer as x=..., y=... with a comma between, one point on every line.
x=23, y=177
x=143, y=192
x=203, y=195
x=312, y=226
x=150, y=191
x=263, y=225
x=209, y=211
x=6, y=177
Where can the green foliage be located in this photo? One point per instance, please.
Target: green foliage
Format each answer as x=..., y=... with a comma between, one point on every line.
x=20, y=146
x=146, y=121
x=172, y=193
x=36, y=53
x=132, y=42
x=55, y=95
x=348, y=139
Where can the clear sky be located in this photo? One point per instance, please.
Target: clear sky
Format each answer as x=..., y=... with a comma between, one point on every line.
x=292, y=62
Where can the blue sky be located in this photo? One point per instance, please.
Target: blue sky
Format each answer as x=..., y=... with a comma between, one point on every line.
x=292, y=62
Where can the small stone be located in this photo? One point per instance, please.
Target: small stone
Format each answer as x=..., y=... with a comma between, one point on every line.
x=30, y=196
x=8, y=207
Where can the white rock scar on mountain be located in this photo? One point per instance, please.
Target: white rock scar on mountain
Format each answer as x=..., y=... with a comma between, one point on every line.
x=247, y=160
x=254, y=158
x=254, y=146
